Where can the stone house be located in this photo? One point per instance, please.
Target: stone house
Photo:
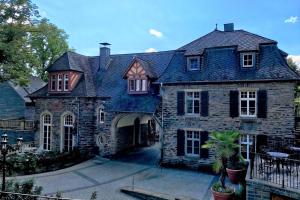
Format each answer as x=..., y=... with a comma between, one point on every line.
x=225, y=80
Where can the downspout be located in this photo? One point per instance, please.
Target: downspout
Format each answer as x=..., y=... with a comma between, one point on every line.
x=77, y=131
x=162, y=125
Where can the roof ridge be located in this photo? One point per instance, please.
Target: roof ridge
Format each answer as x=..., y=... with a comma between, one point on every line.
x=182, y=48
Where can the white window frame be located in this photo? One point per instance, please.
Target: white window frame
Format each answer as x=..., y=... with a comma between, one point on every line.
x=144, y=85
x=252, y=60
x=66, y=82
x=48, y=126
x=101, y=115
x=131, y=82
x=138, y=85
x=189, y=59
x=60, y=80
x=53, y=79
x=248, y=99
x=193, y=100
x=192, y=139
x=70, y=125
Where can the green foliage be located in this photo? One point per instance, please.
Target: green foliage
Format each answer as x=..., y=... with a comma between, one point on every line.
x=224, y=144
x=27, y=44
x=25, y=187
x=48, y=42
x=292, y=64
x=218, y=188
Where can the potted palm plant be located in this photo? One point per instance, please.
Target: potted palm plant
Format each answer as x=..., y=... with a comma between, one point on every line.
x=224, y=145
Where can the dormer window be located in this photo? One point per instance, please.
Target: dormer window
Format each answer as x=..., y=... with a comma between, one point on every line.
x=60, y=82
x=193, y=63
x=66, y=82
x=138, y=75
x=248, y=59
x=53, y=82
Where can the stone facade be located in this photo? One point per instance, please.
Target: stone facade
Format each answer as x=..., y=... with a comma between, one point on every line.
x=81, y=108
x=280, y=116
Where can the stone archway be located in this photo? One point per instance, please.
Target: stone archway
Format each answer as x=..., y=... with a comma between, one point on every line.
x=130, y=130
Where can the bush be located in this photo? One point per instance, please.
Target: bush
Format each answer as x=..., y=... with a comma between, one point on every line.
x=25, y=187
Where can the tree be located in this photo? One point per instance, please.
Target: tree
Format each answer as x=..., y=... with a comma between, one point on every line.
x=47, y=43
x=292, y=64
x=16, y=20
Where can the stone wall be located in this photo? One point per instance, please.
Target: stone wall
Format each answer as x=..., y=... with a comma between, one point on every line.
x=81, y=108
x=280, y=116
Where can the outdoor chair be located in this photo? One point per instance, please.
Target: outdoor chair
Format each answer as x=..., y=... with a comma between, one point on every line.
x=266, y=165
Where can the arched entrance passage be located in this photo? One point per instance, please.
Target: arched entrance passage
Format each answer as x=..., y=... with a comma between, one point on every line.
x=133, y=130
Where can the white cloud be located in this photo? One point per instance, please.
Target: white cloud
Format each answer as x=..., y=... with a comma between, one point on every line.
x=150, y=50
x=155, y=33
x=296, y=59
x=291, y=19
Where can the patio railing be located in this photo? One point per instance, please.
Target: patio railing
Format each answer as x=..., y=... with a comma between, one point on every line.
x=281, y=171
x=18, y=196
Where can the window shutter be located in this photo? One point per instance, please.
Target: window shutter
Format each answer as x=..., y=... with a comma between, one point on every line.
x=180, y=142
x=234, y=103
x=180, y=102
x=262, y=104
x=204, y=103
x=203, y=139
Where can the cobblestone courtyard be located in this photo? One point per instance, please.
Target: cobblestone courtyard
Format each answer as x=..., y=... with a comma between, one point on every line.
x=106, y=177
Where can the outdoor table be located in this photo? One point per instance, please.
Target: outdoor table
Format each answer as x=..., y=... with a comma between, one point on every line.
x=279, y=156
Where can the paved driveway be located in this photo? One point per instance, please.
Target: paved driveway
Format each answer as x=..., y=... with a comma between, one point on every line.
x=106, y=177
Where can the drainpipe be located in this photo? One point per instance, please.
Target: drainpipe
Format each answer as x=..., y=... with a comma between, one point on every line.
x=77, y=122
x=162, y=124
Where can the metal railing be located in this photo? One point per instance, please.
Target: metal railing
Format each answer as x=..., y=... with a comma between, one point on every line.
x=281, y=171
x=17, y=124
x=19, y=196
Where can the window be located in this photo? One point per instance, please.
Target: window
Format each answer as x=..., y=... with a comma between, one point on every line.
x=53, y=82
x=192, y=143
x=46, y=131
x=138, y=85
x=194, y=63
x=192, y=102
x=144, y=85
x=66, y=82
x=248, y=103
x=60, y=82
x=101, y=115
x=68, y=132
x=248, y=59
x=246, y=144
x=131, y=85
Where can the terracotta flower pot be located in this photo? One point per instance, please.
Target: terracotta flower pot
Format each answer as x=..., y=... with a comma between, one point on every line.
x=222, y=195
x=236, y=175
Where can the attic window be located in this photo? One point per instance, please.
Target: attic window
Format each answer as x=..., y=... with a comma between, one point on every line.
x=137, y=79
x=248, y=59
x=193, y=63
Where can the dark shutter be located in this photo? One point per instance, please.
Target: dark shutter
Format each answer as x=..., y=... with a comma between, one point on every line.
x=180, y=142
x=180, y=102
x=262, y=104
x=234, y=103
x=204, y=103
x=203, y=139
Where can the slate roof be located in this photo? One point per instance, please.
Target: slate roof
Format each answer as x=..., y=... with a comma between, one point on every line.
x=146, y=66
x=220, y=63
x=110, y=82
x=14, y=97
x=245, y=41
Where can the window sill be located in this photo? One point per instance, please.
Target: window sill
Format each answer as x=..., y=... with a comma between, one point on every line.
x=192, y=157
x=192, y=115
x=248, y=118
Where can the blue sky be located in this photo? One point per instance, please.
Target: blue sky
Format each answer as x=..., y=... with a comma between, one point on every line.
x=140, y=25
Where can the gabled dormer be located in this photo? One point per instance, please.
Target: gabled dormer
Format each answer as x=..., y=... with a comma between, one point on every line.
x=139, y=75
x=63, y=74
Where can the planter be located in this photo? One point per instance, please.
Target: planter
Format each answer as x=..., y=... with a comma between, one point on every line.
x=222, y=195
x=236, y=175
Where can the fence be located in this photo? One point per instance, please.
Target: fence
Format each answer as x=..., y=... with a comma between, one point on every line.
x=18, y=196
x=281, y=171
x=16, y=124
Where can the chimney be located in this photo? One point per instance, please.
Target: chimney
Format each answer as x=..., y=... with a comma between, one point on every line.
x=104, y=55
x=229, y=27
